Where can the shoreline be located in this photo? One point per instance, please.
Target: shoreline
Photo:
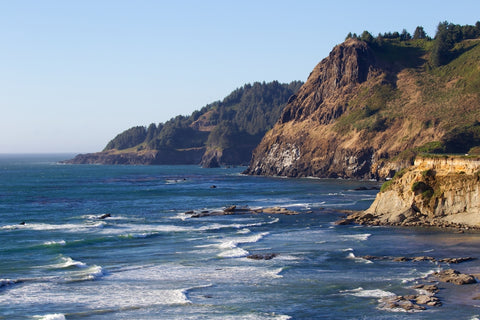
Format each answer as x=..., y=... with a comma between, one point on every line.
x=421, y=221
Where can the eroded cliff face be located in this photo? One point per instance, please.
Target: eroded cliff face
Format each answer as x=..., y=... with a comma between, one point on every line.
x=434, y=191
x=303, y=142
x=358, y=113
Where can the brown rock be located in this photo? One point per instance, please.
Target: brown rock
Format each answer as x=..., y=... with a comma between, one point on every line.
x=455, y=277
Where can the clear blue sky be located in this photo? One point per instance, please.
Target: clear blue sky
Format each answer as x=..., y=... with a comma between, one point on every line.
x=73, y=74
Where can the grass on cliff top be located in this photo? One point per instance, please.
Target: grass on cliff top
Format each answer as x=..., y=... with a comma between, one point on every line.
x=443, y=98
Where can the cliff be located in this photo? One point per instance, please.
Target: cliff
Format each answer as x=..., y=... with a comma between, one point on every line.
x=143, y=157
x=221, y=133
x=368, y=108
x=435, y=191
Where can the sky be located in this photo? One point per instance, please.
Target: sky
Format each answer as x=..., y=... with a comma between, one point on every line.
x=74, y=74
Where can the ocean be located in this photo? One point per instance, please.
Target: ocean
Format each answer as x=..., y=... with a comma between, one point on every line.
x=147, y=259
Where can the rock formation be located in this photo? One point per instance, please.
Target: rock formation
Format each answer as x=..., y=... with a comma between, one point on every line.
x=436, y=191
x=366, y=110
x=143, y=157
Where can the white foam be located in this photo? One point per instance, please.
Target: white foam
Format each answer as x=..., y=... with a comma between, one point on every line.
x=359, y=237
x=287, y=257
x=352, y=256
x=55, y=243
x=244, y=231
x=89, y=273
x=233, y=253
x=66, y=262
x=7, y=282
x=129, y=295
x=374, y=293
x=230, y=247
x=68, y=227
x=275, y=273
x=53, y=316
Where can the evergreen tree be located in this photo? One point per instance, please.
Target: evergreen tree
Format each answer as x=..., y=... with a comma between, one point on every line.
x=404, y=36
x=443, y=44
x=367, y=37
x=419, y=33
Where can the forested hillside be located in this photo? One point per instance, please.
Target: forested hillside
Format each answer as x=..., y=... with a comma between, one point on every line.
x=221, y=133
x=375, y=103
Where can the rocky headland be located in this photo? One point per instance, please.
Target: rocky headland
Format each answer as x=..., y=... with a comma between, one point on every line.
x=369, y=108
x=440, y=191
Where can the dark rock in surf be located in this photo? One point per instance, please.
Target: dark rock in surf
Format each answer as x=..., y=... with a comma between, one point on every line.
x=267, y=256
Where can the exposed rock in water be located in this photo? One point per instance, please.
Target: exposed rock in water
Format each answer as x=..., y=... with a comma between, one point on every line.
x=240, y=210
x=267, y=256
x=455, y=277
x=440, y=192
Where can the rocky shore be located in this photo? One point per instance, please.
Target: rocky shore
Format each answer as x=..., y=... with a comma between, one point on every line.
x=435, y=192
x=425, y=290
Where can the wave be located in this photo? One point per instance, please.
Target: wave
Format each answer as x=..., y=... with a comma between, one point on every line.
x=55, y=243
x=8, y=282
x=71, y=227
x=53, y=316
x=372, y=293
x=67, y=262
x=359, y=237
x=230, y=247
x=352, y=256
x=93, y=272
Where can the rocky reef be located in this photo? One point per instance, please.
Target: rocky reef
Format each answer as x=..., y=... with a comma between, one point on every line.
x=442, y=191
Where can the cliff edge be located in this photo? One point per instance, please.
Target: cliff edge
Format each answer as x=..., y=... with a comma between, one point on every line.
x=435, y=191
x=368, y=108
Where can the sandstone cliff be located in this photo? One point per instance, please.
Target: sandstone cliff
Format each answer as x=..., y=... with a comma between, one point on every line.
x=439, y=191
x=367, y=110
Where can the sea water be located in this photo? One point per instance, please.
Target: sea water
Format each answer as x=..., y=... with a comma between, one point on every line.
x=150, y=260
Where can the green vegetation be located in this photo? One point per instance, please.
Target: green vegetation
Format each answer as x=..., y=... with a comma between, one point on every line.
x=242, y=118
x=397, y=175
x=449, y=34
x=128, y=138
x=386, y=185
x=445, y=76
x=422, y=188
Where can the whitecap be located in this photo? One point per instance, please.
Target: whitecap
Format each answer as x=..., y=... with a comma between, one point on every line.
x=287, y=257
x=66, y=262
x=53, y=316
x=89, y=273
x=231, y=245
x=244, y=231
x=359, y=237
x=55, y=243
x=352, y=256
x=373, y=293
x=275, y=273
x=7, y=282
x=233, y=253
x=70, y=227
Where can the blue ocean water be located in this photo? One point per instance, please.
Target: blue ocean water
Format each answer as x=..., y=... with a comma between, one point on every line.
x=148, y=260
